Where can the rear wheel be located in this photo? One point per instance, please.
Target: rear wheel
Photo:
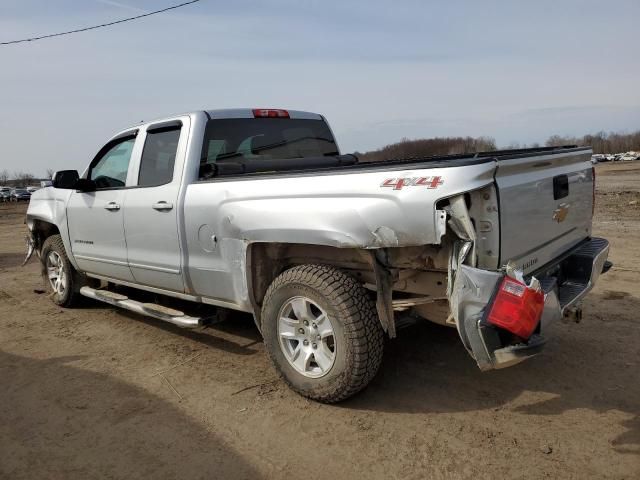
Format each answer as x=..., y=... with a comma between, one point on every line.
x=322, y=332
x=61, y=280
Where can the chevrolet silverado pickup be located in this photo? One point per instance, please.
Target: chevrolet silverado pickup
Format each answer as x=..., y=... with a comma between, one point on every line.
x=256, y=210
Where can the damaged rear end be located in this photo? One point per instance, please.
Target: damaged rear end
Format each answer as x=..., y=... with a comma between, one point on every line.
x=523, y=256
x=502, y=316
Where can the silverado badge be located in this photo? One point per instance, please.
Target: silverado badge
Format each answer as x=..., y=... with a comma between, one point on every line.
x=560, y=213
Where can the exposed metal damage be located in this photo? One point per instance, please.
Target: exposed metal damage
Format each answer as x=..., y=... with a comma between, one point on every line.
x=471, y=292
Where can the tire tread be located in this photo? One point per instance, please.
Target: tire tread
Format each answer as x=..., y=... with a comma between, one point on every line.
x=364, y=335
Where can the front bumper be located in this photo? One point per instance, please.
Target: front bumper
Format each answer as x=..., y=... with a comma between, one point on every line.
x=565, y=282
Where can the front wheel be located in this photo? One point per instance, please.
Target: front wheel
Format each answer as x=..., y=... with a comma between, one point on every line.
x=61, y=280
x=322, y=332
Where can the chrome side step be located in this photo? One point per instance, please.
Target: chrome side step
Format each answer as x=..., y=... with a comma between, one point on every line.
x=149, y=309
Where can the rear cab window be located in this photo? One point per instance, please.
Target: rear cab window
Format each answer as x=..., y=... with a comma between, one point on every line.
x=251, y=140
x=159, y=155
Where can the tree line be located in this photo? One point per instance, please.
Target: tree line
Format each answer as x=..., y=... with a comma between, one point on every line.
x=406, y=148
x=19, y=178
x=601, y=142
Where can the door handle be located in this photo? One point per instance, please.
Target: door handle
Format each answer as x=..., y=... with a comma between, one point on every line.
x=113, y=206
x=162, y=205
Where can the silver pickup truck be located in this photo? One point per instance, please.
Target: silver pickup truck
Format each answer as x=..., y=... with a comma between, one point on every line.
x=256, y=210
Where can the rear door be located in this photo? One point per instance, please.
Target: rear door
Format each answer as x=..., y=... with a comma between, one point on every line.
x=546, y=206
x=95, y=219
x=151, y=207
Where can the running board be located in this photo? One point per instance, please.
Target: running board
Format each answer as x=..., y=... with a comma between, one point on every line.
x=149, y=309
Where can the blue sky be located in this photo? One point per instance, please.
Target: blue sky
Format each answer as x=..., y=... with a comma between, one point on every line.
x=379, y=70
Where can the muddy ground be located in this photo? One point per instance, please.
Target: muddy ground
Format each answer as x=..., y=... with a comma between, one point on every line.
x=95, y=392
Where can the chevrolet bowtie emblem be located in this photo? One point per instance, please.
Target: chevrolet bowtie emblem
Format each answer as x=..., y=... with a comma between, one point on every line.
x=560, y=213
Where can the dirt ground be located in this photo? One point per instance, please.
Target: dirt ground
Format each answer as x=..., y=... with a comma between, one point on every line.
x=96, y=392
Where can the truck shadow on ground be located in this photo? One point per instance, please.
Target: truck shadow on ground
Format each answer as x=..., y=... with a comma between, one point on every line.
x=58, y=420
x=210, y=335
x=585, y=366
x=241, y=328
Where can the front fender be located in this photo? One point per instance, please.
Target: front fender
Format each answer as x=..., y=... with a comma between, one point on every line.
x=49, y=205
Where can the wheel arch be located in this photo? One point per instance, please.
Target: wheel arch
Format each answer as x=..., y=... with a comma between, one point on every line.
x=40, y=229
x=265, y=261
x=387, y=273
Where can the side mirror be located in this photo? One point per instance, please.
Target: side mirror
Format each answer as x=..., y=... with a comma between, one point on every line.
x=65, y=179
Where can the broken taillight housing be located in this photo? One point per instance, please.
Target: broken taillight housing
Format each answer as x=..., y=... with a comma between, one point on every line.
x=516, y=308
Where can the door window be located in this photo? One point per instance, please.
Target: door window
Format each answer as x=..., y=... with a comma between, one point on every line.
x=109, y=170
x=158, y=156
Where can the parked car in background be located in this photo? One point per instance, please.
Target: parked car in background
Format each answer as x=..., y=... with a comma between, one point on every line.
x=5, y=194
x=32, y=189
x=20, y=194
x=629, y=156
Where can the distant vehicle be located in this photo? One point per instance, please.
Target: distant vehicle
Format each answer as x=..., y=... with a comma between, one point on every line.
x=598, y=158
x=20, y=194
x=630, y=156
x=618, y=157
x=45, y=183
x=32, y=189
x=5, y=194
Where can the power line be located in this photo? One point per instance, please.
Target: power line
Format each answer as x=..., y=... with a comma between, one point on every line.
x=33, y=39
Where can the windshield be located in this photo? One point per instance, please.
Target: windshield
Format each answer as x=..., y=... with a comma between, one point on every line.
x=237, y=139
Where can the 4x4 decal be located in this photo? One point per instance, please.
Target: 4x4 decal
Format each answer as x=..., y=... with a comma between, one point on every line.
x=399, y=183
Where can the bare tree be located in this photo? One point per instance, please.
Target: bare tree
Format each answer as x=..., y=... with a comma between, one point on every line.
x=50, y=172
x=23, y=178
x=4, y=176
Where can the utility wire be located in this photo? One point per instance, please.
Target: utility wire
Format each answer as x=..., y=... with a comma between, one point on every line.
x=33, y=39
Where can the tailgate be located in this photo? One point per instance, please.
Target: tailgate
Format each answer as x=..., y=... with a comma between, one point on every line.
x=546, y=203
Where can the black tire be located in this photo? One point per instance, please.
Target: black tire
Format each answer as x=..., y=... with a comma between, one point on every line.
x=359, y=339
x=73, y=281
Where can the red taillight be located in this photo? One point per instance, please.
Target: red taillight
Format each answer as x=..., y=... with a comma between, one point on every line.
x=593, y=185
x=270, y=113
x=516, y=308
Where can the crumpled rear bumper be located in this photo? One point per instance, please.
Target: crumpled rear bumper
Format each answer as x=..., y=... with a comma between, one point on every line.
x=565, y=282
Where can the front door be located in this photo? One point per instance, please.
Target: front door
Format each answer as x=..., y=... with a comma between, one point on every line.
x=95, y=219
x=151, y=208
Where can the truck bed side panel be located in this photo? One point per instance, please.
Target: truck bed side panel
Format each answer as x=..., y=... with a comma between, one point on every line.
x=344, y=210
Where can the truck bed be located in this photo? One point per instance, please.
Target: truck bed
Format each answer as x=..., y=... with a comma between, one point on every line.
x=347, y=163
